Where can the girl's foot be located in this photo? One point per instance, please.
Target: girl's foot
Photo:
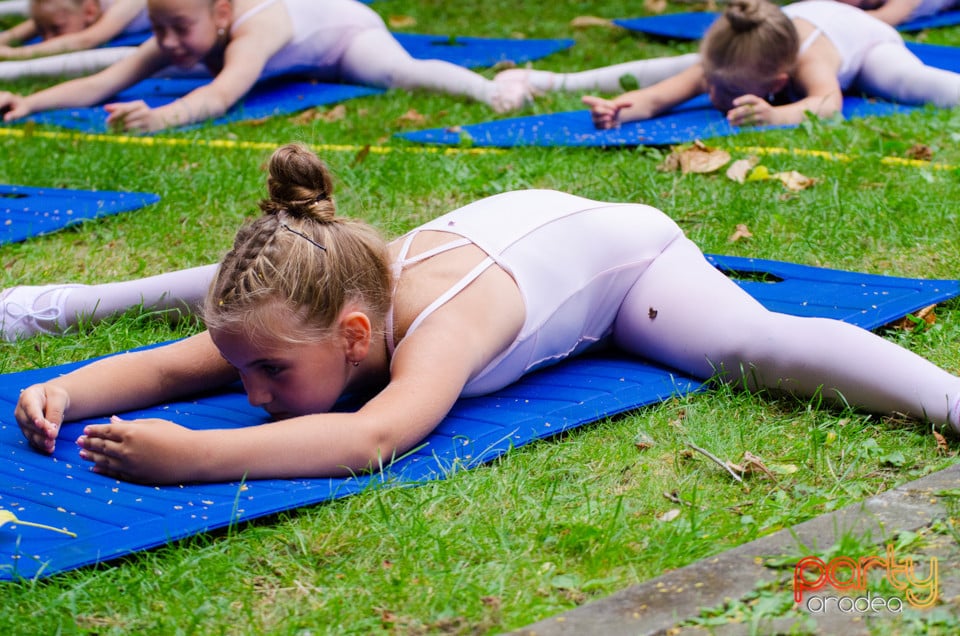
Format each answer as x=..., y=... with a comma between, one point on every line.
x=509, y=94
x=27, y=310
x=534, y=82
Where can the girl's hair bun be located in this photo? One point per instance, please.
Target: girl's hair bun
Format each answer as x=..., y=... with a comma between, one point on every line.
x=745, y=15
x=300, y=185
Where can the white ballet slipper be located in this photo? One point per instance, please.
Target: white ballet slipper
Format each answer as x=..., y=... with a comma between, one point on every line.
x=28, y=310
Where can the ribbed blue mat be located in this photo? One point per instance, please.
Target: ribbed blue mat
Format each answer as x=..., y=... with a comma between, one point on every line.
x=113, y=518
x=692, y=25
x=26, y=212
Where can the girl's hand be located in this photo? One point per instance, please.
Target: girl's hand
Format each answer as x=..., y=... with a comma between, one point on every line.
x=604, y=112
x=750, y=110
x=13, y=106
x=39, y=412
x=152, y=451
x=133, y=116
x=7, y=52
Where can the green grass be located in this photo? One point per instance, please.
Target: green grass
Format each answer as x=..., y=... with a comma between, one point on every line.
x=551, y=525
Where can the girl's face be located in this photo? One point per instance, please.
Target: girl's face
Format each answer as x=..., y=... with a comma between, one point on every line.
x=187, y=31
x=722, y=93
x=59, y=17
x=283, y=379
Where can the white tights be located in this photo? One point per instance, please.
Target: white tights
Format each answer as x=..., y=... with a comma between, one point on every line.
x=66, y=64
x=704, y=325
x=891, y=71
x=607, y=79
x=375, y=58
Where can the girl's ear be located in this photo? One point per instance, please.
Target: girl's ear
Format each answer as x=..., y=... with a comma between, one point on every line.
x=779, y=82
x=91, y=11
x=357, y=335
x=223, y=14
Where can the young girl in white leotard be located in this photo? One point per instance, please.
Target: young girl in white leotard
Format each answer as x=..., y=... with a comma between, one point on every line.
x=308, y=306
x=757, y=55
x=239, y=40
x=72, y=25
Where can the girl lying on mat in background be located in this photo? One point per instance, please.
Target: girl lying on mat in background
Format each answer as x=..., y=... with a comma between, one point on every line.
x=73, y=25
x=763, y=65
x=895, y=12
x=309, y=306
x=334, y=40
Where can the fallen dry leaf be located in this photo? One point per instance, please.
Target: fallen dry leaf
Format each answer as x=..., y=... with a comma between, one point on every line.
x=411, y=116
x=911, y=322
x=942, y=447
x=740, y=168
x=921, y=152
x=401, y=21
x=336, y=113
x=698, y=158
x=795, y=181
x=751, y=464
x=669, y=515
x=742, y=232
x=655, y=6
x=585, y=21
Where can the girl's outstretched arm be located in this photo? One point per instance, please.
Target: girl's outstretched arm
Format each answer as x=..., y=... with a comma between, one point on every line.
x=244, y=59
x=647, y=102
x=120, y=383
x=895, y=12
x=113, y=21
x=86, y=91
x=18, y=33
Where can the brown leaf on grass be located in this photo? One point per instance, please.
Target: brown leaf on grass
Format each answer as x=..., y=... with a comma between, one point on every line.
x=361, y=155
x=742, y=232
x=698, y=158
x=401, y=21
x=740, y=168
x=643, y=441
x=943, y=448
x=921, y=152
x=669, y=515
x=336, y=113
x=751, y=464
x=912, y=321
x=586, y=21
x=655, y=6
x=795, y=181
x=411, y=116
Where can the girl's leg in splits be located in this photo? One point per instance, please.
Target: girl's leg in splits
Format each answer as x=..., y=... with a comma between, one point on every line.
x=375, y=58
x=608, y=79
x=684, y=313
x=891, y=71
x=65, y=65
x=29, y=310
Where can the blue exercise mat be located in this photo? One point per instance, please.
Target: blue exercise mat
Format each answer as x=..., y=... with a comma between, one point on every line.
x=695, y=119
x=692, y=120
x=693, y=25
x=113, y=518
x=26, y=212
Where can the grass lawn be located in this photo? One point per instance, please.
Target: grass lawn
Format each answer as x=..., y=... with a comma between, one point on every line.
x=554, y=524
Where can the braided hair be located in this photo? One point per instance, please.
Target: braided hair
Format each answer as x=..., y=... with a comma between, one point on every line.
x=301, y=256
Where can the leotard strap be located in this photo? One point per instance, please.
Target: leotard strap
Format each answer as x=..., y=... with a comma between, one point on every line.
x=252, y=12
x=403, y=262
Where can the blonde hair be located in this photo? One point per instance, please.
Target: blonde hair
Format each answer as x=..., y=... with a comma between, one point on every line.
x=753, y=38
x=300, y=256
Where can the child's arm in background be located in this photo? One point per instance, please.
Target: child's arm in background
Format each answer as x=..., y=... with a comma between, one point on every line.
x=647, y=102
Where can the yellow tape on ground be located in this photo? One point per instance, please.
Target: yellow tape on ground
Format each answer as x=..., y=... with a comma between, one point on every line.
x=839, y=156
x=26, y=133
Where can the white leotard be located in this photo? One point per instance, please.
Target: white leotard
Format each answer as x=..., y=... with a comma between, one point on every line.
x=139, y=24
x=573, y=259
x=322, y=30
x=852, y=31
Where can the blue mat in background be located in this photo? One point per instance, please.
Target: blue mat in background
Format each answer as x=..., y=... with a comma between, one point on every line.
x=689, y=121
x=26, y=212
x=695, y=119
x=693, y=24
x=113, y=518
x=283, y=96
